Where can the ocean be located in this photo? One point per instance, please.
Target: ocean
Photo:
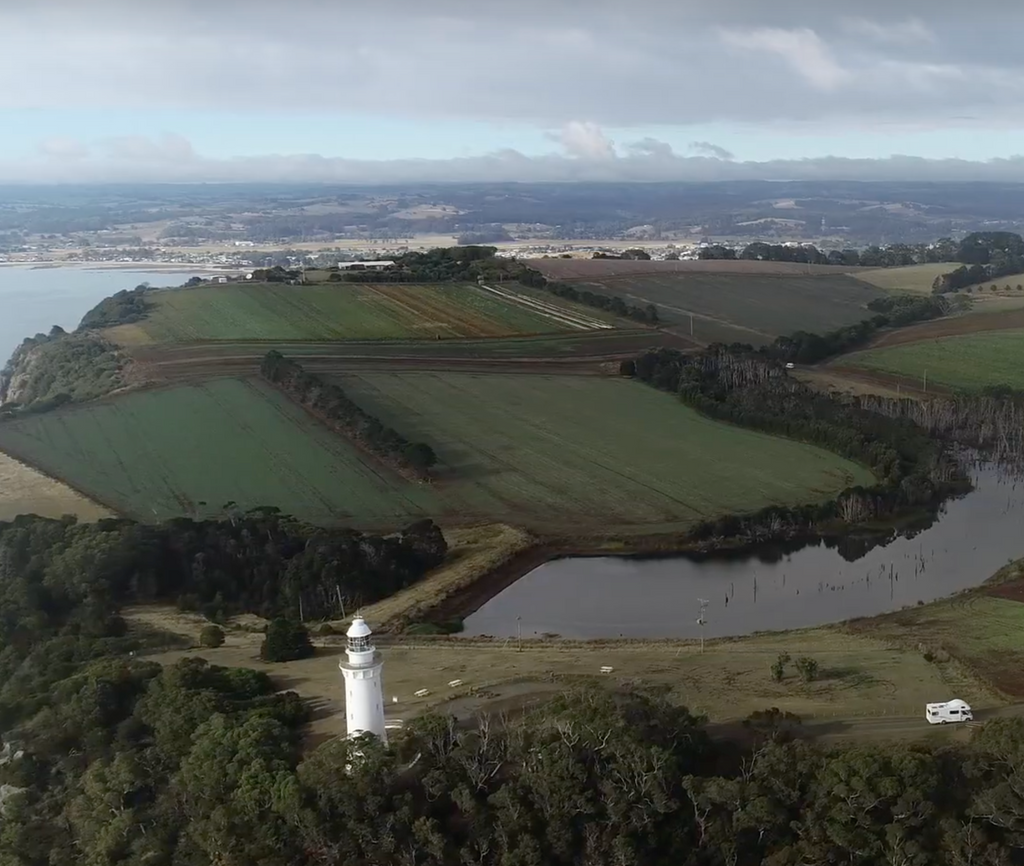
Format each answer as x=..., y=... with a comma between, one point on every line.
x=33, y=299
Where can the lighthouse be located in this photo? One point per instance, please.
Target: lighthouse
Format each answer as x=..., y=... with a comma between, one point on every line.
x=364, y=694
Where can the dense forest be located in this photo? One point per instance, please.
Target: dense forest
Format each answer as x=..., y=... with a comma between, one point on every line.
x=332, y=404
x=740, y=386
x=259, y=562
x=115, y=761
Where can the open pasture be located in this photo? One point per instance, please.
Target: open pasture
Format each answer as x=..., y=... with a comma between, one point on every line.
x=572, y=454
x=346, y=311
x=750, y=309
x=969, y=361
x=24, y=490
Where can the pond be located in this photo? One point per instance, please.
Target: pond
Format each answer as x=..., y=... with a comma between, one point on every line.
x=768, y=588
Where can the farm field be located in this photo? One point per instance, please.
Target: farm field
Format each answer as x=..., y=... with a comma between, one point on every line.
x=24, y=490
x=917, y=279
x=969, y=361
x=751, y=309
x=537, y=450
x=549, y=451
x=339, y=311
x=189, y=450
x=599, y=269
x=578, y=352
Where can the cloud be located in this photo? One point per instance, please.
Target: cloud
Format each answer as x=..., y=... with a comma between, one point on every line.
x=706, y=148
x=172, y=159
x=585, y=140
x=645, y=63
x=899, y=33
x=802, y=49
x=63, y=148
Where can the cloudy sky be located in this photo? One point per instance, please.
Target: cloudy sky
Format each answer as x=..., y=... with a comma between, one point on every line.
x=377, y=90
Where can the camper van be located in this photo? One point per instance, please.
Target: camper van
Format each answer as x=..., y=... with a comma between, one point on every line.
x=950, y=711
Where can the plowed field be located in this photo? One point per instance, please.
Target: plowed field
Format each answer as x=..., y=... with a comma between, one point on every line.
x=340, y=311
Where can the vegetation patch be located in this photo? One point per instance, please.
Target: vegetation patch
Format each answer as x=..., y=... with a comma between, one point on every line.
x=330, y=403
x=48, y=371
x=970, y=361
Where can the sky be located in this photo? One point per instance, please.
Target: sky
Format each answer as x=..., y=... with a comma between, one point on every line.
x=406, y=90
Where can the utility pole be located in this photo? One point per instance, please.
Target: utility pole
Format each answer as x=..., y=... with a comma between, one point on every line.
x=519, y=634
x=926, y=381
x=691, y=324
x=701, y=620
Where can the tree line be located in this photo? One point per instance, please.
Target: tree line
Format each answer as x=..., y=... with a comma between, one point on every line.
x=60, y=576
x=739, y=386
x=332, y=404
x=647, y=314
x=984, y=255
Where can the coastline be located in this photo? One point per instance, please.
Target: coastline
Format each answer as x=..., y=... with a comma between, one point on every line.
x=155, y=267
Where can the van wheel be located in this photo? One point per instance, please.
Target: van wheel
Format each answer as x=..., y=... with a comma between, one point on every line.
x=942, y=721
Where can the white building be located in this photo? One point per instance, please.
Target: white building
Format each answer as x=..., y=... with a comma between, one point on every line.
x=364, y=694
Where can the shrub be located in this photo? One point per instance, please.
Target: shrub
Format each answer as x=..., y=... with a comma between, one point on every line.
x=286, y=641
x=807, y=667
x=627, y=367
x=779, y=667
x=325, y=629
x=211, y=637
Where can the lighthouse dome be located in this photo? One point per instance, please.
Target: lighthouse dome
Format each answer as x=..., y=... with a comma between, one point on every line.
x=359, y=628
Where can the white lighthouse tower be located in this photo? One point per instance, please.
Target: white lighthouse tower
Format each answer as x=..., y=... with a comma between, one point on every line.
x=364, y=694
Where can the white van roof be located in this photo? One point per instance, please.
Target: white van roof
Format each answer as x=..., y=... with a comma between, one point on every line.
x=955, y=704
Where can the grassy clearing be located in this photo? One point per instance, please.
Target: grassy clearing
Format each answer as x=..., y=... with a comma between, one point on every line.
x=751, y=308
x=336, y=311
x=189, y=450
x=24, y=490
x=912, y=278
x=970, y=361
x=550, y=451
x=981, y=630
x=473, y=551
x=859, y=676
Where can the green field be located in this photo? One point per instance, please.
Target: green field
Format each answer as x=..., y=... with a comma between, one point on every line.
x=338, y=311
x=575, y=452
x=189, y=450
x=970, y=361
x=752, y=308
x=605, y=452
x=912, y=278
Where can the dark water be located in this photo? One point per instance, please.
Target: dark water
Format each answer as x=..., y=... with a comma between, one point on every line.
x=594, y=597
x=32, y=300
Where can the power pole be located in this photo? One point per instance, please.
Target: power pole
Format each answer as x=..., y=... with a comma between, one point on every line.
x=926, y=381
x=701, y=620
x=691, y=324
x=519, y=634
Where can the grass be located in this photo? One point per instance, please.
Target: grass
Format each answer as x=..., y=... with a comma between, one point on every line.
x=568, y=453
x=980, y=629
x=336, y=311
x=970, y=361
x=603, y=452
x=24, y=490
x=752, y=308
x=917, y=279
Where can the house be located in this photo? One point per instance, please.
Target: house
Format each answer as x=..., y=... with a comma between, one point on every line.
x=370, y=266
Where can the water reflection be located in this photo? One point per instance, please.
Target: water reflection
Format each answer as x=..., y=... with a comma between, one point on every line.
x=773, y=588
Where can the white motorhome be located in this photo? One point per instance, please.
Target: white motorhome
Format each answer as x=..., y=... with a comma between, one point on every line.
x=950, y=711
